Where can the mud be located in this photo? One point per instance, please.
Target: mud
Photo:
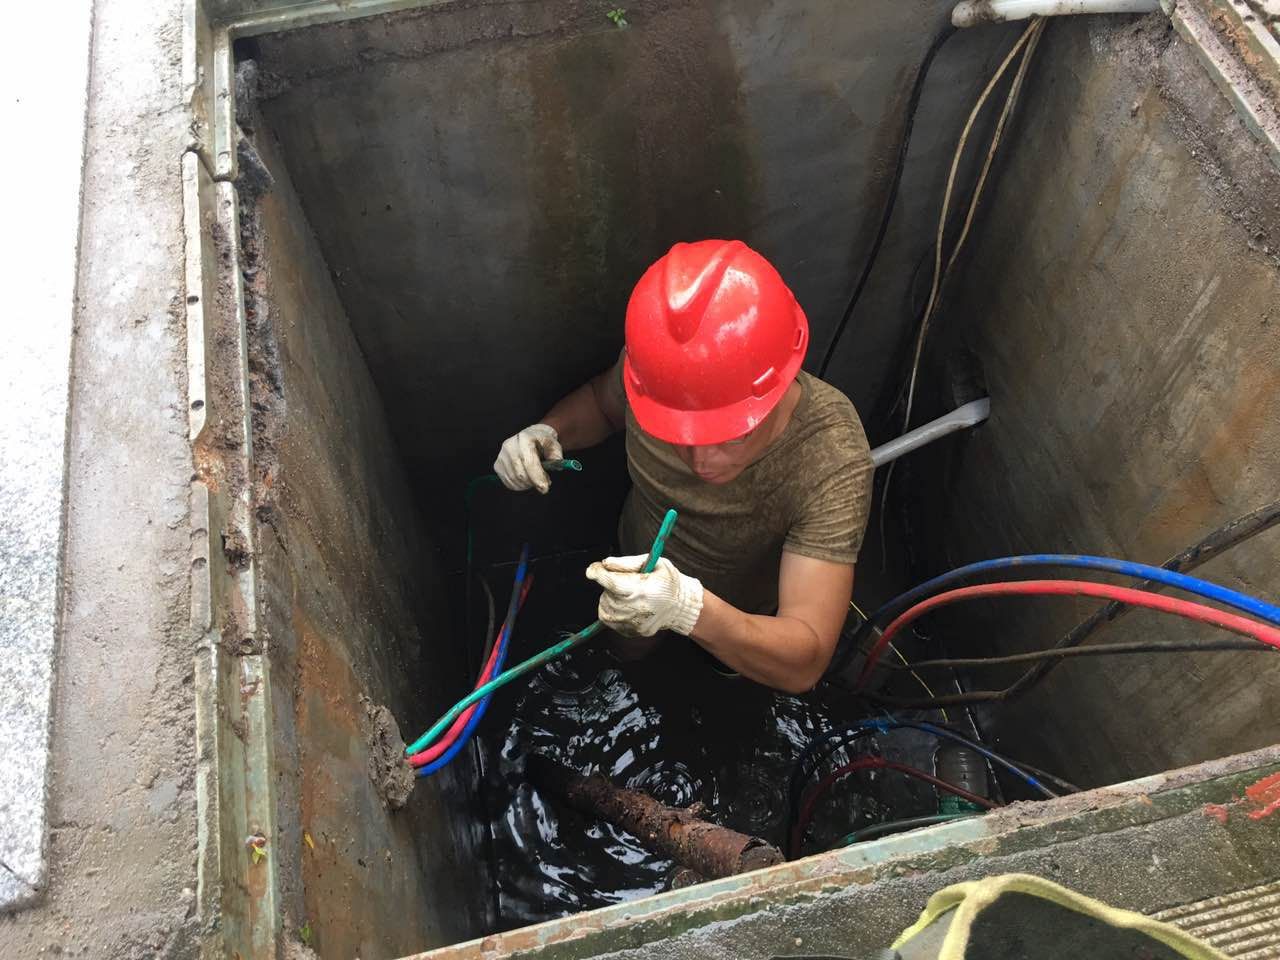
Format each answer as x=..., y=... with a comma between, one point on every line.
x=389, y=769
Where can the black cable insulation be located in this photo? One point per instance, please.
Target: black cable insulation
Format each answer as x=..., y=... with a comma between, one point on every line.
x=1229, y=535
x=1214, y=544
x=913, y=104
x=1093, y=650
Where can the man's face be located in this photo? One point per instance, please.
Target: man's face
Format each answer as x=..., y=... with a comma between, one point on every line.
x=722, y=462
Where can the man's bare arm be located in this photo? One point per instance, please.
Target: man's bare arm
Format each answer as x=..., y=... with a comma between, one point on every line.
x=590, y=414
x=789, y=651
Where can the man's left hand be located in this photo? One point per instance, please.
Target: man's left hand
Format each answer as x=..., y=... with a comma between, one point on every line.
x=639, y=604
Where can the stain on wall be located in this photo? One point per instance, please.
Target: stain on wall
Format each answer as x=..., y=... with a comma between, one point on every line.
x=1123, y=296
x=353, y=606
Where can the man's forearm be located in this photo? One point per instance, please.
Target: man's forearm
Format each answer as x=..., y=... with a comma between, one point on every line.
x=781, y=652
x=580, y=420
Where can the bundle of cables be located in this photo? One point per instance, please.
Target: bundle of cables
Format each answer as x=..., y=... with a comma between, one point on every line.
x=441, y=753
x=500, y=678
x=900, y=612
x=801, y=805
x=892, y=618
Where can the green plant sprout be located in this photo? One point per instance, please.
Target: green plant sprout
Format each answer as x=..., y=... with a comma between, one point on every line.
x=619, y=17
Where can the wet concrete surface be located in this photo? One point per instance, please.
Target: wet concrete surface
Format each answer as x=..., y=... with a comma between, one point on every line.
x=355, y=615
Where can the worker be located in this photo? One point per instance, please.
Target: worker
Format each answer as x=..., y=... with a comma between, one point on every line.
x=768, y=467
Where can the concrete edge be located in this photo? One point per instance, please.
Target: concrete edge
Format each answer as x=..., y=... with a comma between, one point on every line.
x=1220, y=42
x=1214, y=784
x=310, y=13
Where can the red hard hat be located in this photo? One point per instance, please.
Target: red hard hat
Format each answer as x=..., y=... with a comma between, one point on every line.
x=714, y=338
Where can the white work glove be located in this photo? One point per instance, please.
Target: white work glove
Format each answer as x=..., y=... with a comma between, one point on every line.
x=519, y=463
x=639, y=604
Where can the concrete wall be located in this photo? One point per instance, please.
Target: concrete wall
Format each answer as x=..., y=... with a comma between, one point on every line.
x=1124, y=298
x=488, y=180
x=353, y=607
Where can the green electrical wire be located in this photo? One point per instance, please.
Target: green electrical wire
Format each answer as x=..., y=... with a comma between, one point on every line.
x=537, y=660
x=555, y=466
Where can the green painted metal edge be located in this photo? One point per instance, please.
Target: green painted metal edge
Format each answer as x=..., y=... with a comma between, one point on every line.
x=197, y=210
x=225, y=132
x=1020, y=828
x=197, y=80
x=237, y=872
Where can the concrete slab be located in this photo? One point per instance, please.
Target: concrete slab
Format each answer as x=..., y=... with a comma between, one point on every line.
x=47, y=85
x=121, y=814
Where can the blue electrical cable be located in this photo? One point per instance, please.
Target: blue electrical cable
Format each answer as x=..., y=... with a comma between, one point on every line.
x=1142, y=571
x=504, y=642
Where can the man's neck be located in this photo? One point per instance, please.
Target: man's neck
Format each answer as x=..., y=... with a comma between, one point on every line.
x=780, y=417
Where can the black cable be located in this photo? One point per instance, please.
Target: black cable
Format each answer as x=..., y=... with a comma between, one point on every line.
x=488, y=631
x=1093, y=650
x=802, y=770
x=1224, y=538
x=1230, y=534
x=913, y=104
x=820, y=749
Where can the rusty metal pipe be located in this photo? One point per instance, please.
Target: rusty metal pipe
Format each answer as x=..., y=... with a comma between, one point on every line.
x=710, y=850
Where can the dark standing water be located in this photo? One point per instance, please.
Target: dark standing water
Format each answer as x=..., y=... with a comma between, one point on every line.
x=671, y=726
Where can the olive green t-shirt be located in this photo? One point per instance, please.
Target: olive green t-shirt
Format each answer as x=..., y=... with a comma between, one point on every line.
x=809, y=494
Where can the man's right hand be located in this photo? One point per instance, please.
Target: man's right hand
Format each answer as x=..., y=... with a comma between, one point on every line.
x=519, y=463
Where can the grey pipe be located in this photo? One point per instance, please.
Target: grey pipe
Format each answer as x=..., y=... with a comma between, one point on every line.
x=969, y=415
x=970, y=13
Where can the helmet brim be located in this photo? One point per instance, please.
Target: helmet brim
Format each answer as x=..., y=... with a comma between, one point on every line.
x=698, y=428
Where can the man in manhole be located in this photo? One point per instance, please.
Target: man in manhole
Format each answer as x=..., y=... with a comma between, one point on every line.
x=767, y=465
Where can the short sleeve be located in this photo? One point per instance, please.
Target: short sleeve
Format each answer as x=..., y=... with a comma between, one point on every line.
x=616, y=378
x=830, y=523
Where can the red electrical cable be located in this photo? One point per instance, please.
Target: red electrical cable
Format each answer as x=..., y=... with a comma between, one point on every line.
x=1083, y=588
x=872, y=763
x=436, y=749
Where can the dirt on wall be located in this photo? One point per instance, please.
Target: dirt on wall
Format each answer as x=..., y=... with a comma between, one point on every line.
x=640, y=138
x=389, y=768
x=1235, y=171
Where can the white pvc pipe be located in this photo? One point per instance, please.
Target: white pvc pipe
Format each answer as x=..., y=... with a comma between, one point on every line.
x=970, y=13
x=970, y=415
